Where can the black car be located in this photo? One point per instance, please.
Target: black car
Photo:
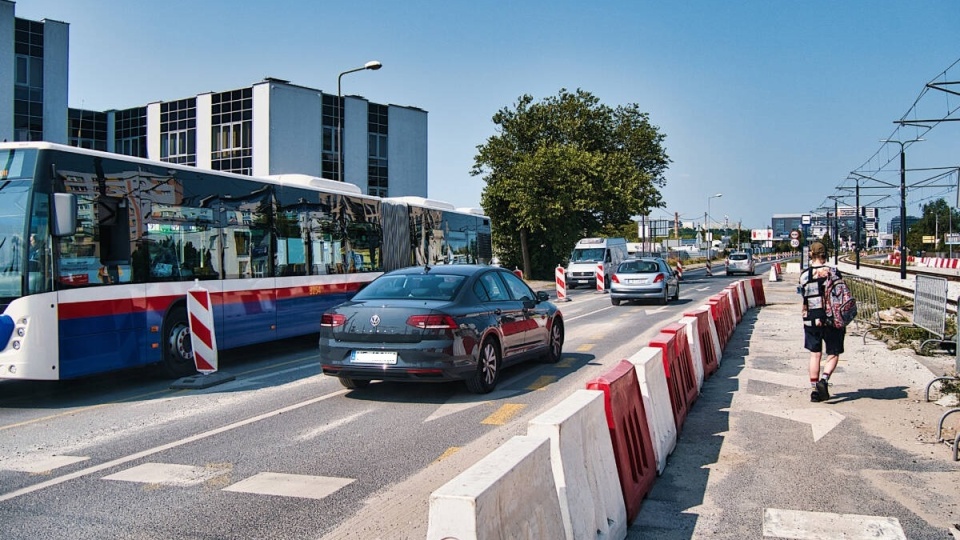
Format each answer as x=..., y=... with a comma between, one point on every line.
x=439, y=323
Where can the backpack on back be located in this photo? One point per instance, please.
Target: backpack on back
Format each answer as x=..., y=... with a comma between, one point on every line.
x=839, y=303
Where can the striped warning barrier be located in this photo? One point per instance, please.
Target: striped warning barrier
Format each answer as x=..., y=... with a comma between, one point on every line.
x=601, y=279
x=709, y=269
x=203, y=338
x=561, y=279
x=679, y=270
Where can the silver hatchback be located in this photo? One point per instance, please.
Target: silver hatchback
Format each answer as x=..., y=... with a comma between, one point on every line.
x=741, y=263
x=639, y=279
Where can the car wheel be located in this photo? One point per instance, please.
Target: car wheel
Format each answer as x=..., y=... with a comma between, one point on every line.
x=555, y=343
x=615, y=301
x=666, y=294
x=177, y=348
x=676, y=294
x=484, y=379
x=353, y=384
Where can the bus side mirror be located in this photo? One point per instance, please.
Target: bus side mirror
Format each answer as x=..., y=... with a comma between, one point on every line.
x=64, y=214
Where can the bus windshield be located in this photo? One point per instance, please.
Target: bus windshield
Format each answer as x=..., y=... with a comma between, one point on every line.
x=16, y=172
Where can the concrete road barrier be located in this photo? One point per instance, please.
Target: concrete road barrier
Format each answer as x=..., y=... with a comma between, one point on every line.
x=510, y=493
x=584, y=468
x=652, y=377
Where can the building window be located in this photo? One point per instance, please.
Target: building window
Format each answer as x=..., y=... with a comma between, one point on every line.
x=377, y=184
x=88, y=129
x=178, y=132
x=130, y=132
x=332, y=119
x=28, y=81
x=231, y=131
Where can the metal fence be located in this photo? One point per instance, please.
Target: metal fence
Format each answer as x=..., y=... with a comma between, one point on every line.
x=864, y=290
x=930, y=305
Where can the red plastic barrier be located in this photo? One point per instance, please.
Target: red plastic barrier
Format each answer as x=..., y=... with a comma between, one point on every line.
x=728, y=297
x=688, y=376
x=671, y=365
x=629, y=432
x=734, y=291
x=757, y=286
x=710, y=356
x=720, y=311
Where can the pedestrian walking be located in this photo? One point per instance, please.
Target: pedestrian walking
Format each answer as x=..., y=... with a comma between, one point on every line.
x=818, y=336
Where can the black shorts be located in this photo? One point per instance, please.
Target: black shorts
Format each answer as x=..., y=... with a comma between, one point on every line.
x=815, y=337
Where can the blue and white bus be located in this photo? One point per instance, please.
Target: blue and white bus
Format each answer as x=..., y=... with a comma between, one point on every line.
x=98, y=250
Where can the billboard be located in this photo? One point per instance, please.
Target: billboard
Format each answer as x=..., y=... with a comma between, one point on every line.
x=761, y=235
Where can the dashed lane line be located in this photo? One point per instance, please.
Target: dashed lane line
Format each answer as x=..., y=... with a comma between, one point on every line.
x=503, y=415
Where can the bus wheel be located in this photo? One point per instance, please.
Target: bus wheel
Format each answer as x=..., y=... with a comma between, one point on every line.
x=177, y=349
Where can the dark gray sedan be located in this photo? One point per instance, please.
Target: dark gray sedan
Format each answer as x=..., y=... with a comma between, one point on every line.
x=439, y=323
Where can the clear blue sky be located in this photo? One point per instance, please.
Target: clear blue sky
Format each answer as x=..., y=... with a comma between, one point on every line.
x=771, y=103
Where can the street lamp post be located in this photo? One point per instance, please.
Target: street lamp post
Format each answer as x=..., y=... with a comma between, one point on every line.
x=706, y=225
x=372, y=65
x=903, y=203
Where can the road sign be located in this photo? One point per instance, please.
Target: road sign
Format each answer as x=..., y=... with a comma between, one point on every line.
x=794, y=242
x=795, y=235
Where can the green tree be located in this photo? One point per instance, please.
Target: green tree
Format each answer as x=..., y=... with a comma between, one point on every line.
x=936, y=220
x=564, y=168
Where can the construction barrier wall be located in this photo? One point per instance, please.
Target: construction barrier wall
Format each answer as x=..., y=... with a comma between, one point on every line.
x=586, y=464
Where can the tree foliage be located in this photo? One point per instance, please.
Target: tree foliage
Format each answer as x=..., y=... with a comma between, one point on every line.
x=564, y=168
x=938, y=218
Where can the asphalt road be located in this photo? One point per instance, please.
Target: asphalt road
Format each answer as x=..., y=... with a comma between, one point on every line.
x=282, y=451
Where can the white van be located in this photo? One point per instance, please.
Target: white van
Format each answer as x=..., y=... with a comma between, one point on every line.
x=582, y=268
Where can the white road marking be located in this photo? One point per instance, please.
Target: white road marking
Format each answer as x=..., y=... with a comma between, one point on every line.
x=658, y=310
x=820, y=525
x=314, y=433
x=774, y=377
x=820, y=418
x=157, y=449
x=37, y=464
x=168, y=474
x=590, y=314
x=290, y=485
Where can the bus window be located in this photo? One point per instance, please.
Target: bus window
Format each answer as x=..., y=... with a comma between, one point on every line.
x=39, y=261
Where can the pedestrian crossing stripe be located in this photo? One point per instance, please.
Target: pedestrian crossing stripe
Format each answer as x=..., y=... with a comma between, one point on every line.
x=290, y=485
x=814, y=525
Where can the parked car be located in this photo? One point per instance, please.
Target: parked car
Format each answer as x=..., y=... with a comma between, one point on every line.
x=741, y=263
x=638, y=279
x=439, y=323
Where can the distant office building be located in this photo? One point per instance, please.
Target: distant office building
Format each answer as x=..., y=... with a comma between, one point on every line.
x=271, y=127
x=894, y=225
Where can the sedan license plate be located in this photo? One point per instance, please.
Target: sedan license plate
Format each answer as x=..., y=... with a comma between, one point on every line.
x=374, y=357
x=636, y=281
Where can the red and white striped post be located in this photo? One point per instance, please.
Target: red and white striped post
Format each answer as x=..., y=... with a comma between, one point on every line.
x=561, y=278
x=203, y=338
x=601, y=280
x=679, y=270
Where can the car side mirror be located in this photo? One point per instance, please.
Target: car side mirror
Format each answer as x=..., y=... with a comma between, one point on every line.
x=542, y=296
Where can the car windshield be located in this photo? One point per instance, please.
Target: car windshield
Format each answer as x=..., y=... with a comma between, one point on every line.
x=415, y=286
x=638, y=267
x=738, y=257
x=587, y=255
